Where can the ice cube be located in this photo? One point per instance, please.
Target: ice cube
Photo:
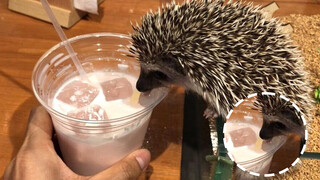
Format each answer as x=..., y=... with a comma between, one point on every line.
x=78, y=94
x=92, y=112
x=119, y=88
x=243, y=137
x=258, y=144
x=135, y=98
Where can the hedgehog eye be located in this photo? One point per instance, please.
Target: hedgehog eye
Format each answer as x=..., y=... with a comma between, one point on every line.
x=159, y=75
x=279, y=125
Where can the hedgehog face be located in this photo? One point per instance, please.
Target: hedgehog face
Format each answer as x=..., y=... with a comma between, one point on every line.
x=150, y=79
x=161, y=72
x=280, y=124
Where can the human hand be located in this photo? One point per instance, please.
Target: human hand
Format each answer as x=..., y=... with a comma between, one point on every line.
x=37, y=158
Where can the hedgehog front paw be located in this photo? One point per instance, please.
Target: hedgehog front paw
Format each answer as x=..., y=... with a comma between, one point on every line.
x=210, y=113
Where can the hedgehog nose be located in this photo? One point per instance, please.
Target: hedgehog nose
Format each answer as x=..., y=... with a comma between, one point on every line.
x=141, y=86
x=265, y=135
x=142, y=89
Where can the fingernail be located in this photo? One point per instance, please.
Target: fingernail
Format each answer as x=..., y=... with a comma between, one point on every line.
x=141, y=162
x=143, y=158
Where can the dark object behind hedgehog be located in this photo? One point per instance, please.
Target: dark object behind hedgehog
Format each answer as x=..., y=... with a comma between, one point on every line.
x=224, y=52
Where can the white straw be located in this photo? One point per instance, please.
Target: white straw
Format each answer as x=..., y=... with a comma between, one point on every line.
x=63, y=38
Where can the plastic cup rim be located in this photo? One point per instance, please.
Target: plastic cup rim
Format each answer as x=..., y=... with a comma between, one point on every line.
x=265, y=156
x=164, y=90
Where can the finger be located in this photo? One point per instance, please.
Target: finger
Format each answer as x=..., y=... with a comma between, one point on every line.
x=128, y=168
x=9, y=169
x=40, y=125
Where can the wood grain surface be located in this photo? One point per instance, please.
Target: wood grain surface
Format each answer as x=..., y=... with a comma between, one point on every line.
x=24, y=39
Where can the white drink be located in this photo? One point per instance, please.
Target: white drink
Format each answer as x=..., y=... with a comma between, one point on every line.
x=88, y=148
x=244, y=144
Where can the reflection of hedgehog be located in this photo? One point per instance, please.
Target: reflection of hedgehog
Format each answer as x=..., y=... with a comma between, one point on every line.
x=224, y=52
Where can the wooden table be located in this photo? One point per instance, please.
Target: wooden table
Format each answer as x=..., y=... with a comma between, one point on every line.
x=24, y=39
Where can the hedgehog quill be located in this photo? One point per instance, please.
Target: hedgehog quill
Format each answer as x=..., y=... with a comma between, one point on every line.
x=223, y=51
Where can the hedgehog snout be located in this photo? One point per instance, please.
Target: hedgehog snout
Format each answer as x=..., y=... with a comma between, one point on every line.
x=266, y=134
x=273, y=126
x=143, y=86
x=268, y=129
x=146, y=82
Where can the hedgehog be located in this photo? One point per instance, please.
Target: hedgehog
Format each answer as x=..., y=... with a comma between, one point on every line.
x=280, y=117
x=223, y=51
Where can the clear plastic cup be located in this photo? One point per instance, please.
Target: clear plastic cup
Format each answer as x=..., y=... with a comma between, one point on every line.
x=243, y=145
x=89, y=146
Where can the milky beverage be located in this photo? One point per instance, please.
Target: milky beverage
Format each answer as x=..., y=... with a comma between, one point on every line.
x=242, y=140
x=244, y=144
x=87, y=148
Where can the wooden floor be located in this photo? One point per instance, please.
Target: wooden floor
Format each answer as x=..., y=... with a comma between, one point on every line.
x=24, y=39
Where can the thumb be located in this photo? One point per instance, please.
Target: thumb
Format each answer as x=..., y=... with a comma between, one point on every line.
x=128, y=168
x=40, y=126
